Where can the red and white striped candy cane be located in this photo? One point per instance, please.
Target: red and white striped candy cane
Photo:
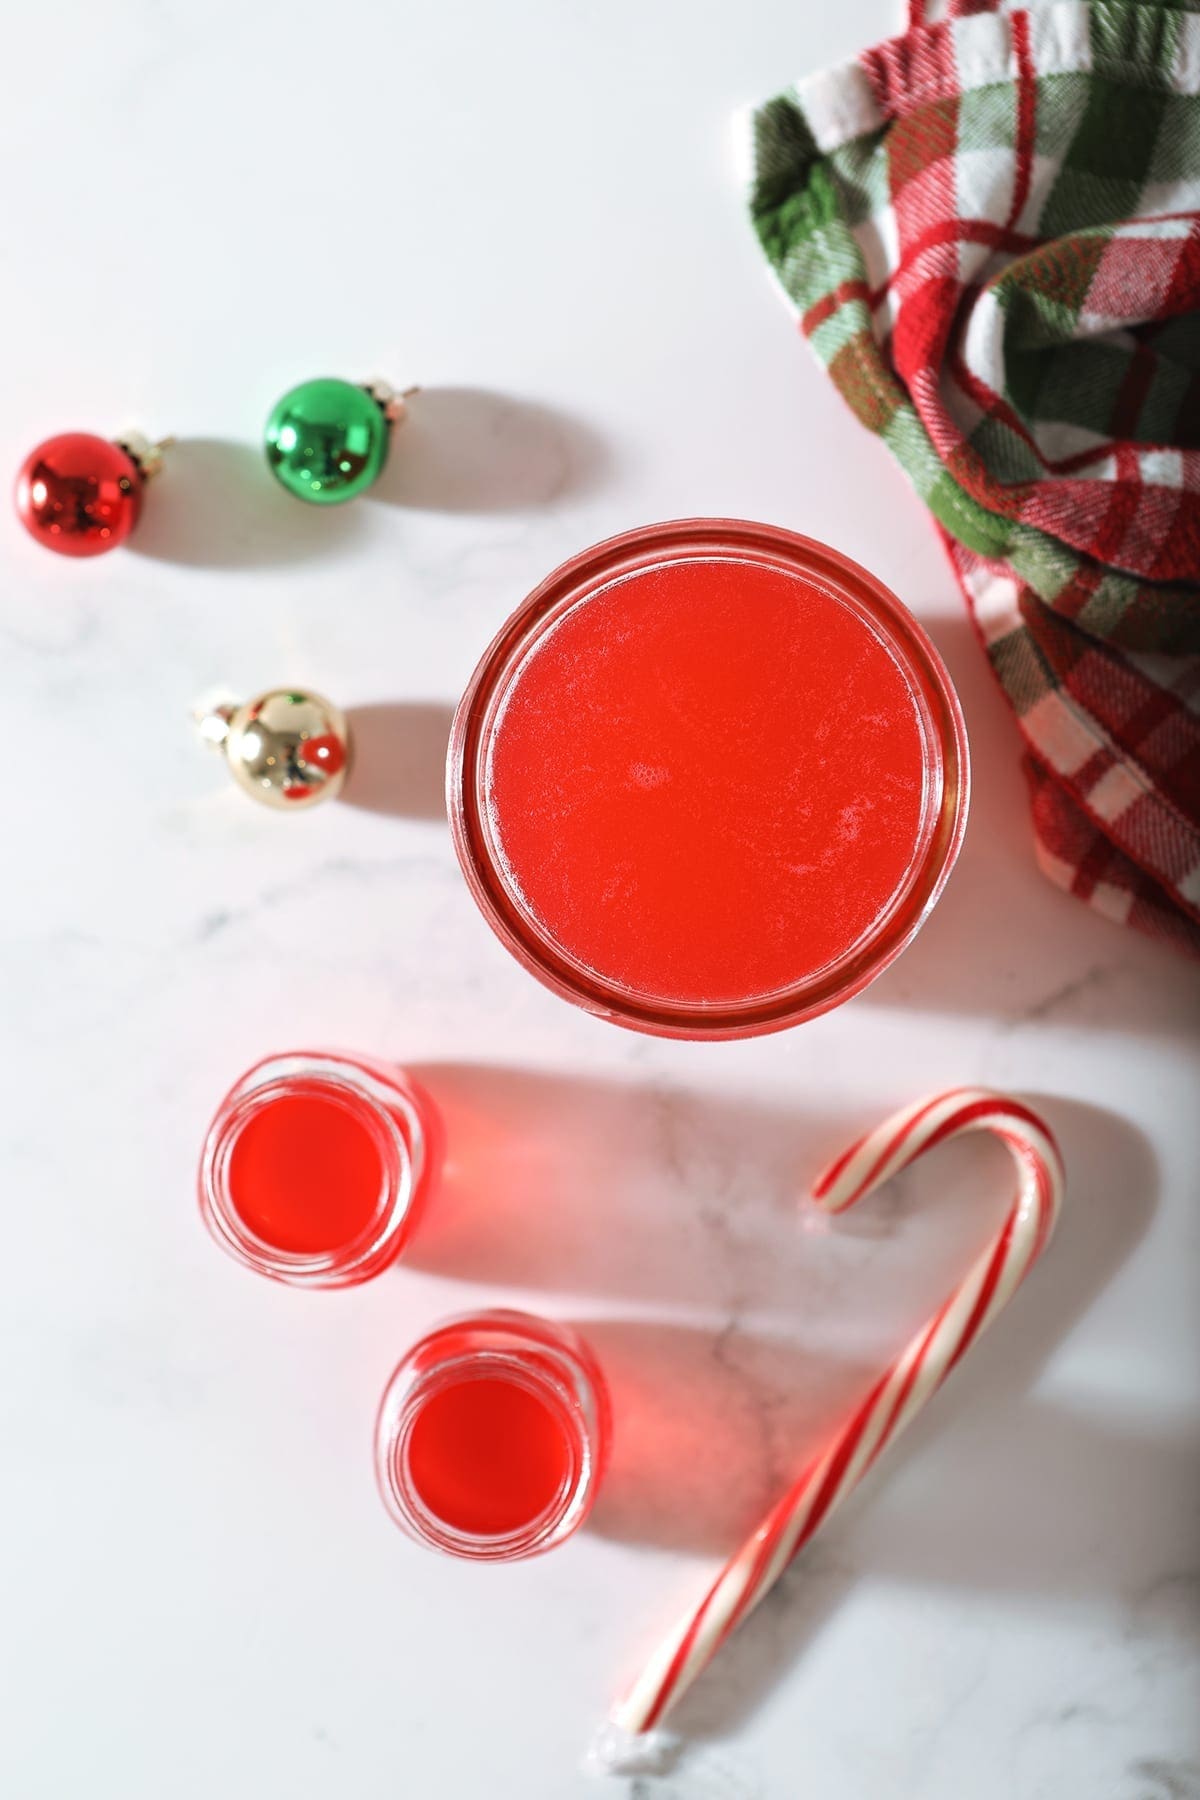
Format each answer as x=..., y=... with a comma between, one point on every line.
x=916, y=1373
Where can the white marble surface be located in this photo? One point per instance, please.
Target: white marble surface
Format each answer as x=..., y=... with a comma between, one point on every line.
x=532, y=210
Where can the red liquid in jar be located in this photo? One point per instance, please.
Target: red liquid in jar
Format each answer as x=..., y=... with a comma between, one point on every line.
x=487, y=1456
x=707, y=780
x=305, y=1174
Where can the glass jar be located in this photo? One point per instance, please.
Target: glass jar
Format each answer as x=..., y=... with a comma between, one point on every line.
x=492, y=1436
x=709, y=780
x=315, y=1166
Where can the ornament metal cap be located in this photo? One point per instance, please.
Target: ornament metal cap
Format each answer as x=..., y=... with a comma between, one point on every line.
x=392, y=404
x=147, y=456
x=288, y=748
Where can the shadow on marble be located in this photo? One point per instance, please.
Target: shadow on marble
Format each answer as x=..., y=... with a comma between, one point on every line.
x=467, y=450
x=656, y=1195
x=471, y=450
x=709, y=1426
x=993, y=1491
x=638, y=1191
x=399, y=765
x=216, y=505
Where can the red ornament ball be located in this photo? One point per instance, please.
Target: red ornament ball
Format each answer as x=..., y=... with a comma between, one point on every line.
x=79, y=494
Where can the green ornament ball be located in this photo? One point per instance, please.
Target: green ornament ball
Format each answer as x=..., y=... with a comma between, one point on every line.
x=327, y=441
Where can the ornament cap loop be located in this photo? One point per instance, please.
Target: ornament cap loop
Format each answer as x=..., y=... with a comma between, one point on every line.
x=146, y=455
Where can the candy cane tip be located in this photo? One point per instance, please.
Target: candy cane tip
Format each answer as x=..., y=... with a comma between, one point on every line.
x=616, y=1751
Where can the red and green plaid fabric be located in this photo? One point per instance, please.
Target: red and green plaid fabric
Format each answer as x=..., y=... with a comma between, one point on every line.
x=990, y=230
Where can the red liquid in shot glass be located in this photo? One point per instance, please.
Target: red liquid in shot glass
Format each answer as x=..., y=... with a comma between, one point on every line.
x=492, y=1436
x=709, y=780
x=488, y=1457
x=305, y=1174
x=313, y=1167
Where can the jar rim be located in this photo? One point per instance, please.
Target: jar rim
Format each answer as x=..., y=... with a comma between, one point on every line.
x=532, y=1535
x=545, y=1358
x=945, y=750
x=374, y=1102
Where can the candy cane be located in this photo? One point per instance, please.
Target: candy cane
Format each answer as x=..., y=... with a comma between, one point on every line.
x=897, y=1398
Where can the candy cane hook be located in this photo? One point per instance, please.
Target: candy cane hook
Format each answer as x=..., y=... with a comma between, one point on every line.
x=897, y=1397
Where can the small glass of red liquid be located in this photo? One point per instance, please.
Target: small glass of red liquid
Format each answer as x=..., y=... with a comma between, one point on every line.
x=314, y=1167
x=492, y=1436
x=709, y=780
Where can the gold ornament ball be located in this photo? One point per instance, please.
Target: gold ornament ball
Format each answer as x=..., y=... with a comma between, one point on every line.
x=289, y=748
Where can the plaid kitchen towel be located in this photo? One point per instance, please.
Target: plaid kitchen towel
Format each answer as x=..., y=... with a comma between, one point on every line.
x=990, y=230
